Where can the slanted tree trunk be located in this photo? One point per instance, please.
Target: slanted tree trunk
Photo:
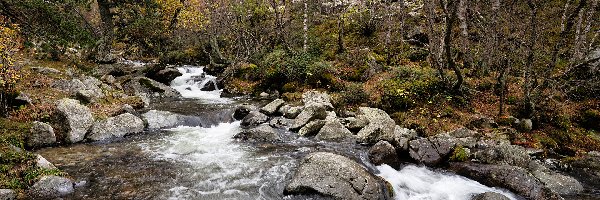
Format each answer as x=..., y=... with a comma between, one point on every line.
x=450, y=10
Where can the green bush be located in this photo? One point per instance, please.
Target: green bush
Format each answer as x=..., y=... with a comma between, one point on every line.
x=354, y=94
x=409, y=85
x=460, y=154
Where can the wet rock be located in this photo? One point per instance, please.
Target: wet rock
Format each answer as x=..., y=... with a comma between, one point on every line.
x=262, y=133
x=380, y=123
x=384, y=153
x=558, y=183
x=40, y=135
x=314, y=97
x=41, y=162
x=431, y=151
x=145, y=87
x=490, y=196
x=290, y=112
x=8, y=194
x=45, y=70
x=254, y=118
x=209, y=86
x=335, y=176
x=242, y=110
x=280, y=122
x=308, y=114
x=504, y=154
x=50, y=187
x=312, y=128
x=165, y=76
x=116, y=127
x=333, y=130
x=75, y=119
x=156, y=119
x=272, y=107
x=510, y=177
x=126, y=108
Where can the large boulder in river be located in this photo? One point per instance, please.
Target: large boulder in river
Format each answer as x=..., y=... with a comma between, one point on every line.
x=51, y=187
x=272, y=107
x=504, y=154
x=431, y=151
x=254, y=118
x=290, y=112
x=384, y=153
x=513, y=178
x=74, y=119
x=146, y=88
x=166, y=75
x=380, y=125
x=314, y=97
x=557, y=182
x=336, y=176
x=262, y=133
x=115, y=127
x=308, y=114
x=242, y=110
x=156, y=119
x=40, y=135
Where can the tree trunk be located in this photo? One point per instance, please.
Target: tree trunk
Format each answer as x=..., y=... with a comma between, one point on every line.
x=528, y=102
x=340, y=40
x=305, y=28
x=450, y=10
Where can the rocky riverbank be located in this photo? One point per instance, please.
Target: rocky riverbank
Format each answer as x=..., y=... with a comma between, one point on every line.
x=91, y=110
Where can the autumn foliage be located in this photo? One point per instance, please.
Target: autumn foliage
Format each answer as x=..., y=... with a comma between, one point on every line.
x=9, y=75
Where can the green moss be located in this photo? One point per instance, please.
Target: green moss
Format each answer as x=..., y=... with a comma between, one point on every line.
x=460, y=154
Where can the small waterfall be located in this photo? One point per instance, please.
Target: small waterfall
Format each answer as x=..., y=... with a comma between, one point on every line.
x=419, y=183
x=196, y=84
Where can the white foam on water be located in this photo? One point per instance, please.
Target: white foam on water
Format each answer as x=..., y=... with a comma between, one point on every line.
x=189, y=85
x=219, y=168
x=420, y=183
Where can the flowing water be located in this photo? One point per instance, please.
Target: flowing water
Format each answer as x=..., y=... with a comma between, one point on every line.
x=204, y=162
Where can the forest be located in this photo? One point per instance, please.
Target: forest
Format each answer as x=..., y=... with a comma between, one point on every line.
x=525, y=69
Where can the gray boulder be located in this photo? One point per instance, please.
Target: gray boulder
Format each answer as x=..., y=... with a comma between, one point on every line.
x=87, y=96
x=254, y=118
x=51, y=187
x=489, y=196
x=333, y=130
x=145, y=87
x=558, y=183
x=156, y=119
x=335, y=176
x=116, y=127
x=312, y=128
x=313, y=97
x=280, y=122
x=380, y=124
x=355, y=123
x=308, y=114
x=40, y=135
x=272, y=107
x=262, y=133
x=41, y=162
x=399, y=139
x=242, y=110
x=513, y=178
x=8, y=194
x=483, y=123
x=431, y=151
x=525, y=125
x=75, y=119
x=290, y=112
x=504, y=154
x=384, y=153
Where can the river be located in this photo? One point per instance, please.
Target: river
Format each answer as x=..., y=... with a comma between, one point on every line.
x=194, y=162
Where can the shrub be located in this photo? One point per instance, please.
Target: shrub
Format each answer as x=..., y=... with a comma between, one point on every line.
x=460, y=154
x=9, y=75
x=409, y=85
x=354, y=94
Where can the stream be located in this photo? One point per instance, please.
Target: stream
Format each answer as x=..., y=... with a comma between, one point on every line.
x=194, y=162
